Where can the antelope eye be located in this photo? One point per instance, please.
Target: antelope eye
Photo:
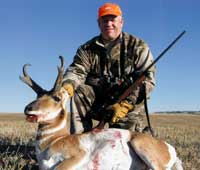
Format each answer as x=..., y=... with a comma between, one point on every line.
x=56, y=98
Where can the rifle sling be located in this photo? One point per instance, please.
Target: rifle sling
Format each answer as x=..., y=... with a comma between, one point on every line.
x=147, y=112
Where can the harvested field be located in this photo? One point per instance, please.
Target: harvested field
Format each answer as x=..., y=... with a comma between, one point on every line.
x=17, y=137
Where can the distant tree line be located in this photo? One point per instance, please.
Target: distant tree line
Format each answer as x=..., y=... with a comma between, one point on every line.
x=178, y=112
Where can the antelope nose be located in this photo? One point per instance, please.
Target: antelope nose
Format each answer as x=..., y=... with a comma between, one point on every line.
x=27, y=109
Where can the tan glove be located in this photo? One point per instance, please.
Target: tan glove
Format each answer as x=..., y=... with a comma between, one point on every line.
x=69, y=88
x=120, y=110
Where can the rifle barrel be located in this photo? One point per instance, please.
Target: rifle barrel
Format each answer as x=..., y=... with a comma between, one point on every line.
x=165, y=50
x=143, y=74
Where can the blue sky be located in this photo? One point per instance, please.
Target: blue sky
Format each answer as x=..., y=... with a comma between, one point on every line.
x=37, y=32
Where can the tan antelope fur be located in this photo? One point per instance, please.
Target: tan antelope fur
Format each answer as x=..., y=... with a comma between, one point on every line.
x=106, y=149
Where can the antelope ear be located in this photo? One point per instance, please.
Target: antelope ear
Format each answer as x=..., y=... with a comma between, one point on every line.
x=64, y=92
x=65, y=96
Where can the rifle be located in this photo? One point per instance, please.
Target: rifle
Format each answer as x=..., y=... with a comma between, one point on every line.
x=119, y=92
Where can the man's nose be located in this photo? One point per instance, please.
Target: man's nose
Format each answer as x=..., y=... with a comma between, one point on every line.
x=108, y=23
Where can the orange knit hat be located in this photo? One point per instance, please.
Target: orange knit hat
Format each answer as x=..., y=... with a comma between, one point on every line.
x=109, y=9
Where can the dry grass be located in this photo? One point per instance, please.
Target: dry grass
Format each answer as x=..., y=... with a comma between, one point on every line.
x=17, y=137
x=182, y=131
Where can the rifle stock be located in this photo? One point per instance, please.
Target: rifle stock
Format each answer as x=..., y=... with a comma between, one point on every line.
x=132, y=88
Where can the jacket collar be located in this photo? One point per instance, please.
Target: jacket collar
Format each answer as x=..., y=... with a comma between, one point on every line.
x=100, y=42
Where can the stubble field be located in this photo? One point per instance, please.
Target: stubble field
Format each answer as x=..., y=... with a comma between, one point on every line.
x=17, y=138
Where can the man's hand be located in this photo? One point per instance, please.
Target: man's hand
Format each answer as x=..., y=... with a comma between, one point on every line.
x=120, y=110
x=69, y=88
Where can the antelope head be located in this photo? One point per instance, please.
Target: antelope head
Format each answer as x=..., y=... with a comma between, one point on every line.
x=48, y=104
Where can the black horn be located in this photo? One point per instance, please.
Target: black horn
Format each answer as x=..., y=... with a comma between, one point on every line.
x=58, y=82
x=30, y=82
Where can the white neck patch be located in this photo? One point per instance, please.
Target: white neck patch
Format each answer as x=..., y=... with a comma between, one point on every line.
x=54, y=129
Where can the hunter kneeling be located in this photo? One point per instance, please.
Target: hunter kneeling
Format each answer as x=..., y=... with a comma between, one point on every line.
x=102, y=63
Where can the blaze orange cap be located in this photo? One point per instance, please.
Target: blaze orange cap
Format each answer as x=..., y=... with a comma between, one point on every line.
x=109, y=9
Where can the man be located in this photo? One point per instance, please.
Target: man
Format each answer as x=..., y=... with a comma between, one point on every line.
x=102, y=62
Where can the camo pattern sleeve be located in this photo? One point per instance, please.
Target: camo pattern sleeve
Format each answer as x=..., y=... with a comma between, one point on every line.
x=77, y=72
x=142, y=59
x=87, y=67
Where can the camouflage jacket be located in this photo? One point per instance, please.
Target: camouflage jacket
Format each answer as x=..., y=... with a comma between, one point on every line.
x=102, y=65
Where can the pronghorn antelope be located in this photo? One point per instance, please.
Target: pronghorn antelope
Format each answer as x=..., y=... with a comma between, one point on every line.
x=106, y=149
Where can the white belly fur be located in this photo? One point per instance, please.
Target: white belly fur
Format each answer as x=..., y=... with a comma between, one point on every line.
x=106, y=149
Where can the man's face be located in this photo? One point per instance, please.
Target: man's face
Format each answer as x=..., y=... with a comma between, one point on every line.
x=110, y=26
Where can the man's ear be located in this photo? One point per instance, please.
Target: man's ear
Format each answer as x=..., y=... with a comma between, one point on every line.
x=122, y=21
